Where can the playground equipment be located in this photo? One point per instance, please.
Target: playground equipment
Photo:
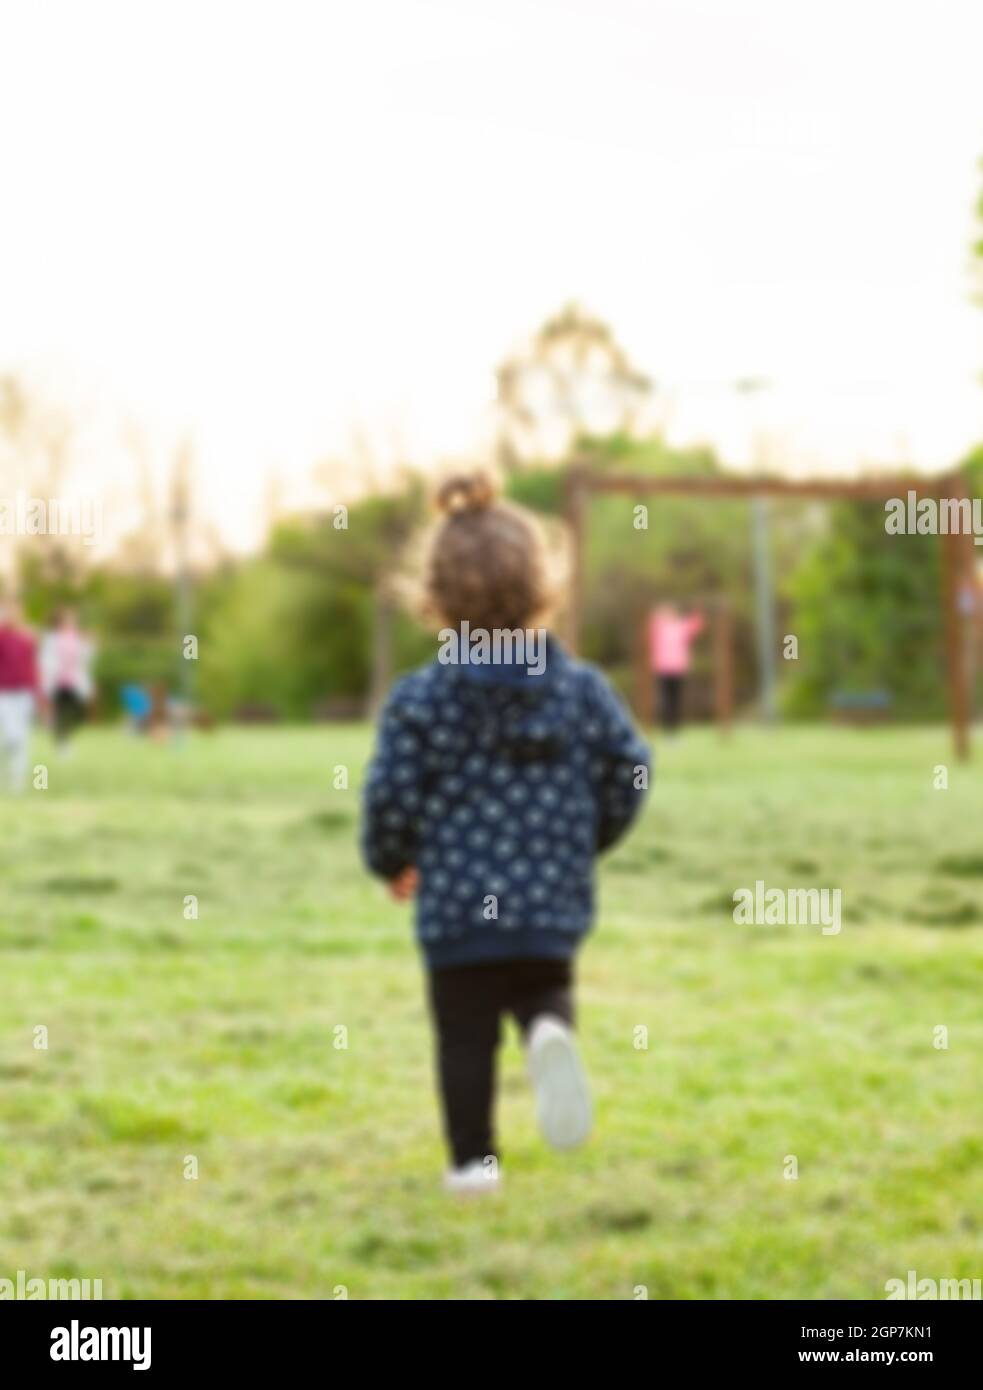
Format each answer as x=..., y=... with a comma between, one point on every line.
x=958, y=554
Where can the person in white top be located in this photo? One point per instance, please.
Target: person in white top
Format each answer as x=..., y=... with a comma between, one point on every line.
x=66, y=674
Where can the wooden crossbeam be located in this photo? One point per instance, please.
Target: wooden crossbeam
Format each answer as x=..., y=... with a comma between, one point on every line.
x=876, y=489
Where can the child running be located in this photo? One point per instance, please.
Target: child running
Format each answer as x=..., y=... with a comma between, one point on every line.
x=502, y=770
x=66, y=676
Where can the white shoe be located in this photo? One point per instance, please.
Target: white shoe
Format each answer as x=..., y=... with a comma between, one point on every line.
x=475, y=1178
x=562, y=1098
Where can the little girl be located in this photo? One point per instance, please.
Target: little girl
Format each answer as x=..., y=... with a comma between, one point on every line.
x=495, y=784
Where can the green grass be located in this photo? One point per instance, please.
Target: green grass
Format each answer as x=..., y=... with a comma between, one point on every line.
x=319, y=1166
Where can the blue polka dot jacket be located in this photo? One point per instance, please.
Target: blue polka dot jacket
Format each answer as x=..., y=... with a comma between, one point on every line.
x=501, y=786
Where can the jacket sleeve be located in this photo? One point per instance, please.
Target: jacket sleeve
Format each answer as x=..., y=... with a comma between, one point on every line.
x=620, y=763
x=393, y=792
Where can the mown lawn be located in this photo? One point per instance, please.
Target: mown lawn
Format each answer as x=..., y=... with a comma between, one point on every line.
x=319, y=1166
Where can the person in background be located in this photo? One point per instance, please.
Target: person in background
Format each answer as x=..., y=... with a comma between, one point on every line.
x=159, y=721
x=66, y=675
x=18, y=693
x=137, y=704
x=671, y=636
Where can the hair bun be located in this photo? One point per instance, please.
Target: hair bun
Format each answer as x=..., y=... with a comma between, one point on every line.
x=465, y=492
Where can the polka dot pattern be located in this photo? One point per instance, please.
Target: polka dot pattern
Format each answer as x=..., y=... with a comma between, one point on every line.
x=501, y=792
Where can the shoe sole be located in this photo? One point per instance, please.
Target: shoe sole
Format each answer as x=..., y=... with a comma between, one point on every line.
x=488, y=1187
x=563, y=1101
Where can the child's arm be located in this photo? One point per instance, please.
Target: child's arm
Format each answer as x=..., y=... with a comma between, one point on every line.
x=619, y=765
x=392, y=799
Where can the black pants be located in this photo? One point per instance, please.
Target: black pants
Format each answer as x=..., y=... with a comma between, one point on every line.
x=670, y=701
x=467, y=1003
x=69, y=712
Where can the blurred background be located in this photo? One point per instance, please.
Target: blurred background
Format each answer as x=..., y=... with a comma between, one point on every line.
x=265, y=268
x=265, y=272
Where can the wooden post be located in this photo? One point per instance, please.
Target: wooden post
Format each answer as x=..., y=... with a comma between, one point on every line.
x=723, y=665
x=969, y=601
x=644, y=695
x=575, y=508
x=383, y=623
x=954, y=579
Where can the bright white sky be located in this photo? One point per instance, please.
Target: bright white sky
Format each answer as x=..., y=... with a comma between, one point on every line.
x=274, y=224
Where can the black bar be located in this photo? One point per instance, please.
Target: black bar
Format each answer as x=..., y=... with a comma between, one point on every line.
x=314, y=1339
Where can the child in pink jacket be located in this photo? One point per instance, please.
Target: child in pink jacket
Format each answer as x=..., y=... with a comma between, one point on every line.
x=671, y=636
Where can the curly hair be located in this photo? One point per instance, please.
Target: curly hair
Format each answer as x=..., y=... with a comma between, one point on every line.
x=487, y=560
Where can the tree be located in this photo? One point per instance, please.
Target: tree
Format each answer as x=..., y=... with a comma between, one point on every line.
x=867, y=617
x=36, y=440
x=363, y=554
x=572, y=380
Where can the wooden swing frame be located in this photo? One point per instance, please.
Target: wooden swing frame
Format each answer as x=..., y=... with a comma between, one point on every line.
x=958, y=556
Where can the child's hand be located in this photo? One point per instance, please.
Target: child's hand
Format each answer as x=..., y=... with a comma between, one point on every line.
x=403, y=886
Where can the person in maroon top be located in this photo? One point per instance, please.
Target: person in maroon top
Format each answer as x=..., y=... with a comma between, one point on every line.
x=18, y=692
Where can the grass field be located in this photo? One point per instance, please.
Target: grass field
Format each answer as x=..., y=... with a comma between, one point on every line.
x=319, y=1167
